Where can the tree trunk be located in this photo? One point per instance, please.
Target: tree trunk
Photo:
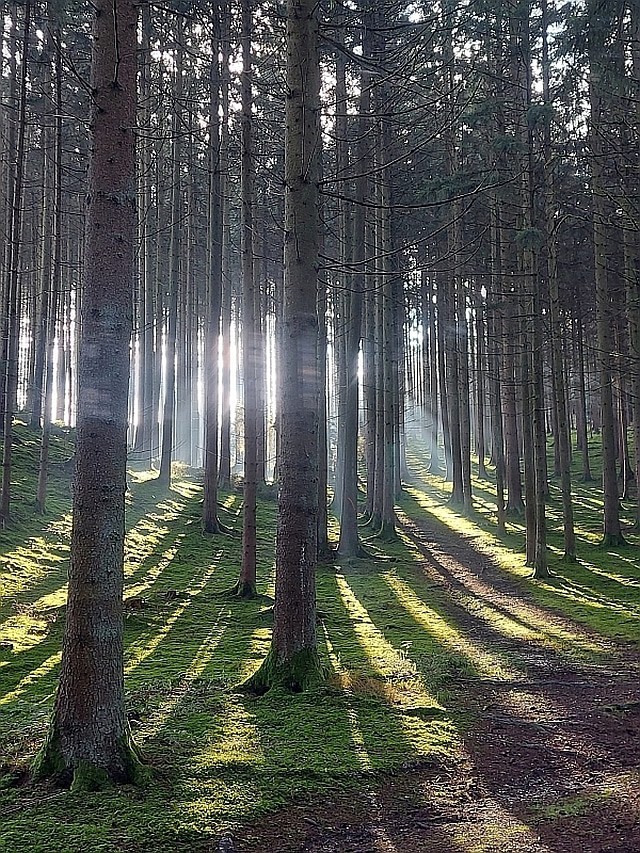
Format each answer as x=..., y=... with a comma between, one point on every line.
x=89, y=741
x=247, y=581
x=293, y=660
x=612, y=532
x=168, y=413
x=13, y=329
x=53, y=286
x=210, y=520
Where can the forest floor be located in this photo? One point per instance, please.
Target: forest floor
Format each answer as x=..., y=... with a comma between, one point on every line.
x=549, y=762
x=466, y=708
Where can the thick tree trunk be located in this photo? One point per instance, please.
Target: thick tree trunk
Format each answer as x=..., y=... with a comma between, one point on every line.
x=89, y=740
x=612, y=531
x=293, y=660
x=12, y=282
x=224, y=475
x=210, y=520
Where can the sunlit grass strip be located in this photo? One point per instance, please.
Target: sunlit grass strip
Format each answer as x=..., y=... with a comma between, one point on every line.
x=384, y=658
x=235, y=740
x=383, y=841
x=484, y=543
x=195, y=669
x=578, y=594
x=623, y=580
x=141, y=542
x=345, y=681
x=154, y=573
x=23, y=567
x=514, y=617
x=143, y=648
x=44, y=669
x=257, y=651
x=485, y=663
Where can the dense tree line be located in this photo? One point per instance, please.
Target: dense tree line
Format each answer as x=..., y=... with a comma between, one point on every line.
x=312, y=235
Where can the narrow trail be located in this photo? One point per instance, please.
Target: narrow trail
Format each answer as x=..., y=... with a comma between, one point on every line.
x=548, y=762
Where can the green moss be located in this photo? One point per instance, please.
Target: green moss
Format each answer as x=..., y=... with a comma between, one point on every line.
x=400, y=655
x=568, y=807
x=303, y=671
x=50, y=763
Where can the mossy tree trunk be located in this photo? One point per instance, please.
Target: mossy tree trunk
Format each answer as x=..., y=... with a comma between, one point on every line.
x=88, y=742
x=293, y=659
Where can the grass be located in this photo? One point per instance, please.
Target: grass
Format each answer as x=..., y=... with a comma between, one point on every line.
x=398, y=651
x=601, y=591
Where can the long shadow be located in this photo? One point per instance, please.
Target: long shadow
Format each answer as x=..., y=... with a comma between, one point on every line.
x=436, y=625
x=53, y=558
x=308, y=741
x=532, y=618
x=572, y=631
x=533, y=764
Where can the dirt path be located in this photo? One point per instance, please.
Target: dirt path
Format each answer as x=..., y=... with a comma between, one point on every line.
x=550, y=763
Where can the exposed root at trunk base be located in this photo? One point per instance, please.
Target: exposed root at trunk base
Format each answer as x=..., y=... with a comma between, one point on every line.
x=386, y=533
x=613, y=540
x=242, y=589
x=568, y=558
x=301, y=672
x=540, y=573
x=216, y=528
x=125, y=766
x=356, y=553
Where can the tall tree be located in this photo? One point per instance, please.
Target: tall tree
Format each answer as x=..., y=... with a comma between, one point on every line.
x=599, y=26
x=293, y=658
x=89, y=742
x=247, y=582
x=210, y=520
x=10, y=378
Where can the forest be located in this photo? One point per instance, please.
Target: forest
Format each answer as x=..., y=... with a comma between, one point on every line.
x=320, y=426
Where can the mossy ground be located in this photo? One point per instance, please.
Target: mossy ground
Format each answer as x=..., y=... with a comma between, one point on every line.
x=394, y=652
x=601, y=589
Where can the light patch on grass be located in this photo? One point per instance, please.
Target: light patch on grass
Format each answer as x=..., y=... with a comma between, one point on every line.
x=39, y=672
x=385, y=659
x=202, y=658
x=144, y=647
x=484, y=662
x=236, y=741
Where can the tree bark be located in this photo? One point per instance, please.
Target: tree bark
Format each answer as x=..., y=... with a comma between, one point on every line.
x=293, y=659
x=89, y=742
